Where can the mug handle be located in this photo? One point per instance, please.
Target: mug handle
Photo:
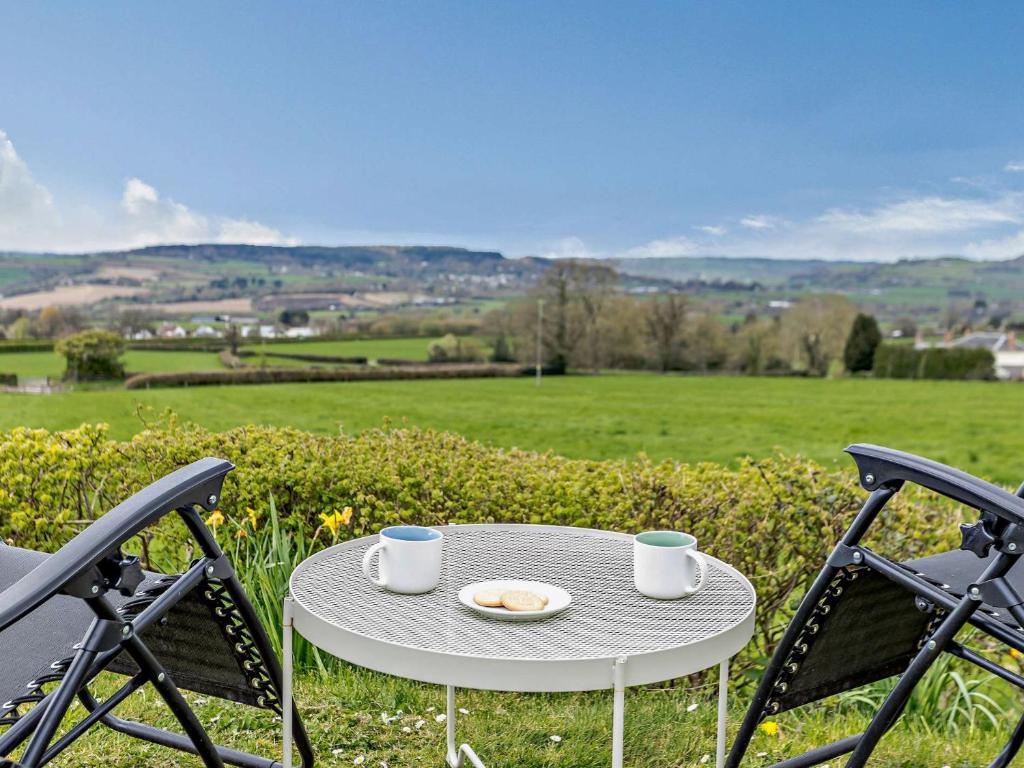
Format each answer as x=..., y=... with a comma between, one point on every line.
x=374, y=549
x=702, y=571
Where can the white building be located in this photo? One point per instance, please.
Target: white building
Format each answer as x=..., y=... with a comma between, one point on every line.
x=171, y=331
x=303, y=332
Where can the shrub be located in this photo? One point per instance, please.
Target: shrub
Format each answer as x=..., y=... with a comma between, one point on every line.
x=92, y=355
x=281, y=375
x=900, y=361
x=775, y=519
x=8, y=379
x=452, y=349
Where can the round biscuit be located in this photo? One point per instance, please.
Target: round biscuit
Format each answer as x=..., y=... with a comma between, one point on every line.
x=488, y=599
x=520, y=600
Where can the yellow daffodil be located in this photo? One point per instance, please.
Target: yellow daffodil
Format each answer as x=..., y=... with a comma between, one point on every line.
x=251, y=514
x=1015, y=653
x=334, y=521
x=241, y=534
x=215, y=519
x=769, y=727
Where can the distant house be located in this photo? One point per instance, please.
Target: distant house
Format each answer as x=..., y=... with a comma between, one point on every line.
x=303, y=332
x=140, y=335
x=171, y=331
x=1008, y=352
x=206, y=332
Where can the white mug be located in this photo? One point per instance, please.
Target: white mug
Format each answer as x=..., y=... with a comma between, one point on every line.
x=667, y=565
x=410, y=559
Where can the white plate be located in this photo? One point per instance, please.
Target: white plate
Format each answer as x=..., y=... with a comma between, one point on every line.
x=558, y=598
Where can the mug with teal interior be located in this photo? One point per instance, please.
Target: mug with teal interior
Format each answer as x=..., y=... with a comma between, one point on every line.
x=667, y=565
x=666, y=539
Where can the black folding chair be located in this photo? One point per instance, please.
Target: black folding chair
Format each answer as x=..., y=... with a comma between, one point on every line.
x=866, y=618
x=88, y=608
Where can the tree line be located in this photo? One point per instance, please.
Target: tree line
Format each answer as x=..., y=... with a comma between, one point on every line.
x=586, y=322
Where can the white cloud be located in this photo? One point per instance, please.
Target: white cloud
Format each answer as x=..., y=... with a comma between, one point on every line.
x=927, y=215
x=1015, y=166
x=989, y=226
x=569, y=248
x=31, y=219
x=713, y=230
x=760, y=221
x=673, y=246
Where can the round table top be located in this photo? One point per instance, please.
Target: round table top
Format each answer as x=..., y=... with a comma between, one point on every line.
x=435, y=638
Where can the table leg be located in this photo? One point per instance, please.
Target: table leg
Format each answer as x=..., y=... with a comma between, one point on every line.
x=457, y=758
x=286, y=682
x=618, y=710
x=723, y=711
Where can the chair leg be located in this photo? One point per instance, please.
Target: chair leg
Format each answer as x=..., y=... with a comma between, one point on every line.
x=852, y=537
x=894, y=703
x=58, y=705
x=158, y=677
x=1012, y=747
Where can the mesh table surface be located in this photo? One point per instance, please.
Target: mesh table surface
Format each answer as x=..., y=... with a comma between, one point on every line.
x=607, y=617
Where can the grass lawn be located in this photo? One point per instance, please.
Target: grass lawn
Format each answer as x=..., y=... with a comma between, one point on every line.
x=408, y=349
x=38, y=365
x=347, y=714
x=968, y=424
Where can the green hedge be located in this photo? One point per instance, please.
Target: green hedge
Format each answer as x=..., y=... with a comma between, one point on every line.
x=8, y=379
x=900, y=361
x=350, y=360
x=774, y=519
x=26, y=345
x=260, y=375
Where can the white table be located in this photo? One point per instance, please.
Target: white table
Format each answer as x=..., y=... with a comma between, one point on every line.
x=611, y=636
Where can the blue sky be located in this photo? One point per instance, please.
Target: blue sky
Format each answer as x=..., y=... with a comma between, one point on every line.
x=859, y=130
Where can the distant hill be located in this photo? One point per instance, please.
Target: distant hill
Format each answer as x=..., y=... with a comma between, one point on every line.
x=940, y=278
x=258, y=275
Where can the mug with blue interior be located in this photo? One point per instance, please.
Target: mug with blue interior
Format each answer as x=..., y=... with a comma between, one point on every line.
x=410, y=559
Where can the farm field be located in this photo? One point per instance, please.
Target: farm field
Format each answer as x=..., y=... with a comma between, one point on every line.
x=720, y=419
x=409, y=349
x=37, y=365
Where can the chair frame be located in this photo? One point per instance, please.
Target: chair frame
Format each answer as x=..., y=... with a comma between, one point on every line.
x=90, y=566
x=883, y=472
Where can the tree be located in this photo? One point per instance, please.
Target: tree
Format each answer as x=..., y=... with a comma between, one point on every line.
x=294, y=317
x=814, y=331
x=664, y=323
x=756, y=346
x=131, y=321
x=864, y=338
x=574, y=294
x=56, y=321
x=233, y=336
x=452, y=349
x=92, y=355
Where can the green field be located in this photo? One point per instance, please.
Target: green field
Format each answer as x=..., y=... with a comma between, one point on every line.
x=37, y=365
x=409, y=349
x=969, y=424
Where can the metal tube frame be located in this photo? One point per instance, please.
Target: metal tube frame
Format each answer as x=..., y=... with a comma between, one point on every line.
x=463, y=754
x=39, y=725
x=961, y=612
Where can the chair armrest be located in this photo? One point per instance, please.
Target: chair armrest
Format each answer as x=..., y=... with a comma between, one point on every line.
x=197, y=484
x=885, y=467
